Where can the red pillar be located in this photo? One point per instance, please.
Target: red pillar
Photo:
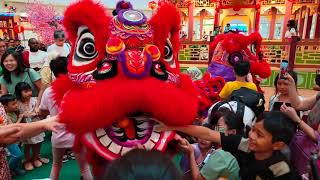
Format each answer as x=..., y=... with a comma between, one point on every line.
x=310, y=19
x=317, y=25
x=216, y=17
x=287, y=16
x=202, y=14
x=190, y=24
x=257, y=19
x=273, y=22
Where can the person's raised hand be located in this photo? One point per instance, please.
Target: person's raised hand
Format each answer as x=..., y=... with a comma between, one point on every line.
x=290, y=81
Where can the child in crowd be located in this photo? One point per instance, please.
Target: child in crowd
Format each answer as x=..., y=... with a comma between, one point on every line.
x=259, y=156
x=11, y=107
x=216, y=163
x=241, y=70
x=61, y=139
x=201, y=149
x=27, y=104
x=281, y=94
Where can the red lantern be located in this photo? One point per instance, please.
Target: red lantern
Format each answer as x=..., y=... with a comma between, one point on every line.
x=152, y=5
x=18, y=29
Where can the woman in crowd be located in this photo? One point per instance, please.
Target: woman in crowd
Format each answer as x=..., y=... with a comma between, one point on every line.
x=14, y=72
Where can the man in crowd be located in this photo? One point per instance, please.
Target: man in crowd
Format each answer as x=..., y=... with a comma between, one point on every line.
x=60, y=47
x=34, y=58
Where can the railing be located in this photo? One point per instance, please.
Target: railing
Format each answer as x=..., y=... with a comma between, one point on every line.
x=197, y=3
x=272, y=2
x=203, y=3
x=306, y=1
x=195, y=52
x=275, y=51
x=308, y=53
x=237, y=3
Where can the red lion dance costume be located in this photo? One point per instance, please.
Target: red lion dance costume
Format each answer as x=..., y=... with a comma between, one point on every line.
x=230, y=48
x=124, y=77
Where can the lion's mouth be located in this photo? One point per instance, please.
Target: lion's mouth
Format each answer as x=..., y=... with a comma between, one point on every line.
x=126, y=134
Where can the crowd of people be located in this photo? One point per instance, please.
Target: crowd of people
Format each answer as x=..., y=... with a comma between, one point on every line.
x=277, y=144
x=26, y=99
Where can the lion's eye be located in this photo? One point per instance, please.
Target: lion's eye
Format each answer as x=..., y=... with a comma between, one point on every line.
x=85, y=50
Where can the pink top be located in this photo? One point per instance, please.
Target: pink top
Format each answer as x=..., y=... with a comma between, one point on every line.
x=63, y=138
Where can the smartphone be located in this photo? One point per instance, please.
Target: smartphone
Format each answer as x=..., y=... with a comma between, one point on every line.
x=277, y=105
x=283, y=68
x=318, y=77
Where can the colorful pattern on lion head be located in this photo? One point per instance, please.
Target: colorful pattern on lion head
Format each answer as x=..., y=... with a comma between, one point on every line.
x=230, y=48
x=123, y=78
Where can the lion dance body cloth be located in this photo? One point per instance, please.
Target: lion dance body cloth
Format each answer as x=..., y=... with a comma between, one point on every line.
x=123, y=79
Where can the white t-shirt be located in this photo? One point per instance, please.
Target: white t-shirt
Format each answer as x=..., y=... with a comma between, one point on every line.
x=61, y=138
x=37, y=59
x=290, y=33
x=63, y=51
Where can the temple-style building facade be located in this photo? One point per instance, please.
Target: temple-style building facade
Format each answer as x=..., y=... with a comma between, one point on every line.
x=269, y=17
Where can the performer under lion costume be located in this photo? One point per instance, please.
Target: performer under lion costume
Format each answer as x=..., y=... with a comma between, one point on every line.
x=123, y=79
x=232, y=47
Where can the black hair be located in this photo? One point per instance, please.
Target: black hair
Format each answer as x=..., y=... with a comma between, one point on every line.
x=230, y=118
x=228, y=24
x=215, y=115
x=21, y=86
x=29, y=41
x=59, y=66
x=208, y=125
x=5, y=99
x=242, y=68
x=233, y=122
x=292, y=24
x=114, y=12
x=20, y=66
x=278, y=125
x=141, y=164
x=294, y=76
x=58, y=34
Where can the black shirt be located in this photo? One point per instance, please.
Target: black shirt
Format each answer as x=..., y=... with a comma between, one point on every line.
x=276, y=167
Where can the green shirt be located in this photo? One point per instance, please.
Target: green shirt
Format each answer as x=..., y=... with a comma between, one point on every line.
x=12, y=117
x=29, y=76
x=221, y=164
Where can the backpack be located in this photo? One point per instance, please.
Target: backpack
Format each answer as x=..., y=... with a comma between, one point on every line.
x=250, y=98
